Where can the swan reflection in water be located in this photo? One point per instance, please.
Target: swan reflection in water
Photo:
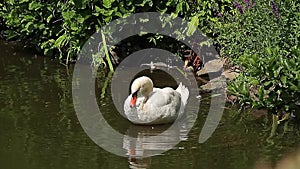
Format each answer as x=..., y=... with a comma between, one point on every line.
x=141, y=142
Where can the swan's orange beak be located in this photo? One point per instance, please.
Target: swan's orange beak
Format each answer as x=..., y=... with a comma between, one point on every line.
x=133, y=100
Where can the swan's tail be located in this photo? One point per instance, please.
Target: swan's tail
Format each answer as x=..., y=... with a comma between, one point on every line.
x=184, y=92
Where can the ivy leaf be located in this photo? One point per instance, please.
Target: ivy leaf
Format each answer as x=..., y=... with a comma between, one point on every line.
x=283, y=80
x=243, y=88
x=49, y=18
x=74, y=27
x=68, y=15
x=107, y=3
x=80, y=20
x=143, y=2
x=179, y=7
x=170, y=2
x=108, y=13
x=192, y=25
x=107, y=19
x=99, y=10
x=59, y=41
x=254, y=82
x=34, y=5
x=293, y=87
x=261, y=93
x=277, y=71
x=42, y=26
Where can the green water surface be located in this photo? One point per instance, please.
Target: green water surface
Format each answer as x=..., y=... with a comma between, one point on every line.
x=39, y=128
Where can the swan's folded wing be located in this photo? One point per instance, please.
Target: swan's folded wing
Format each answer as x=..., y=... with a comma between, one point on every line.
x=184, y=92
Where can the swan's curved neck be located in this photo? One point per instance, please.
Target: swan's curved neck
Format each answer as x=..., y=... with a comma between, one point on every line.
x=143, y=84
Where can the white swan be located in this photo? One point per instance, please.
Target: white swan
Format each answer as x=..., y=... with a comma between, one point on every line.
x=148, y=105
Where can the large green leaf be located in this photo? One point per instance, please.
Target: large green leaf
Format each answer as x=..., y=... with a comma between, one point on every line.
x=60, y=41
x=193, y=25
x=34, y=5
x=68, y=15
x=107, y=3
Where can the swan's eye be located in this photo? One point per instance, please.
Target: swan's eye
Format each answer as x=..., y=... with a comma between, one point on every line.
x=135, y=93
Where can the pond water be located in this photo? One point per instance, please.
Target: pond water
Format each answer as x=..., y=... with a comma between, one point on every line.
x=39, y=127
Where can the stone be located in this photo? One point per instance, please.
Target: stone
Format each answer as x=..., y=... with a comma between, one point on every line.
x=230, y=75
x=211, y=67
x=214, y=84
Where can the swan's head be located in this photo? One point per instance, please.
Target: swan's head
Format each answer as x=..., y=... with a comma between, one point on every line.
x=141, y=86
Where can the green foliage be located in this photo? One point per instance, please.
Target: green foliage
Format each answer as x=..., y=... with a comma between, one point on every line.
x=264, y=40
x=258, y=28
x=270, y=80
x=63, y=26
x=59, y=25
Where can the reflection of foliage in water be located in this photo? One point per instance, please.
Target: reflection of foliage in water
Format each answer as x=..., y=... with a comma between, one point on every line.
x=38, y=122
x=39, y=127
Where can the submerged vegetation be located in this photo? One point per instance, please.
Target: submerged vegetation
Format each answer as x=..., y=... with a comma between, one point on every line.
x=261, y=37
